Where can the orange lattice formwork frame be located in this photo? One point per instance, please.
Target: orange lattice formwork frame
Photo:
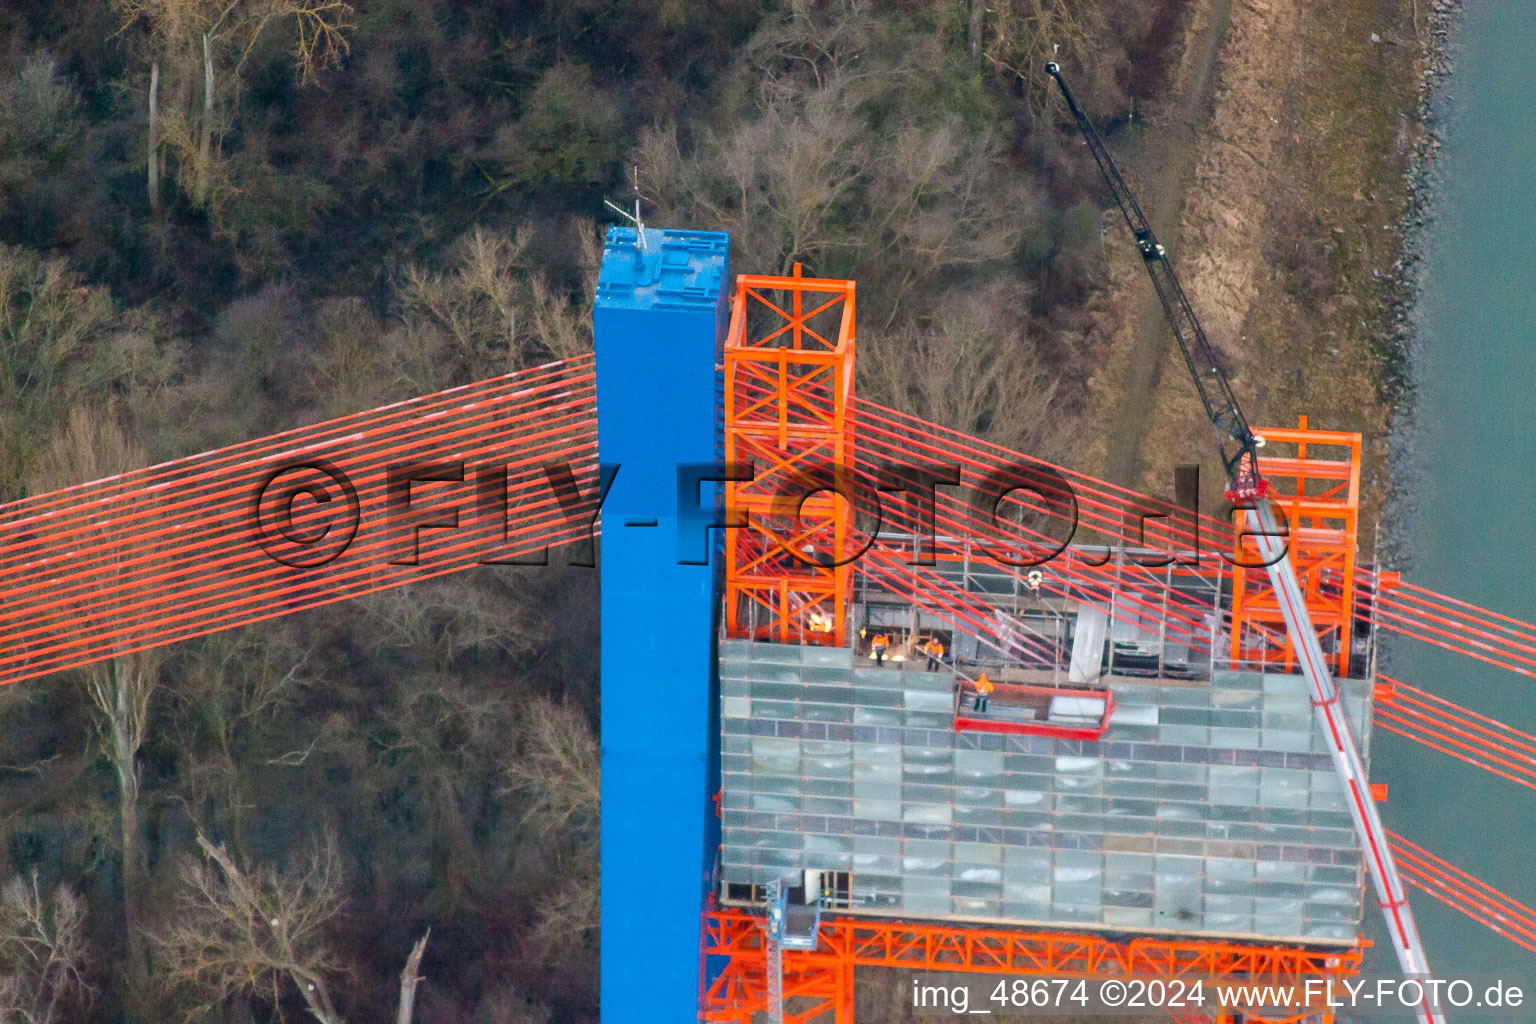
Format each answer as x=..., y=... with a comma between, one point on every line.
x=1315, y=482
x=788, y=412
x=818, y=984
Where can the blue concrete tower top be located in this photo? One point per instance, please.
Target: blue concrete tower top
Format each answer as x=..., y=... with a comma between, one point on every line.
x=673, y=270
x=660, y=317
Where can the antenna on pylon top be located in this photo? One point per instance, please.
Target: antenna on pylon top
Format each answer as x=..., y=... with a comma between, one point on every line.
x=633, y=218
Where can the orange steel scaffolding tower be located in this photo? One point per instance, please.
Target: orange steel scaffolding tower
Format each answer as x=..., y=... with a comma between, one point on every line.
x=788, y=404
x=788, y=411
x=819, y=983
x=1319, y=493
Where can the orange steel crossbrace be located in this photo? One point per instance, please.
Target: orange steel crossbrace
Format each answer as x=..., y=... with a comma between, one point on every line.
x=823, y=978
x=1319, y=492
x=788, y=412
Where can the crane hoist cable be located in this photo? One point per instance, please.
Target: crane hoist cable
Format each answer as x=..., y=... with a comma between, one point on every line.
x=1247, y=488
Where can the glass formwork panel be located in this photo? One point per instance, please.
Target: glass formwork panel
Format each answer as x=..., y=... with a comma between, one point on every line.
x=1205, y=809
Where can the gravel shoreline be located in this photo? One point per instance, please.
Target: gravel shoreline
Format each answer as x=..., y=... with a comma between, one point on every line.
x=1421, y=181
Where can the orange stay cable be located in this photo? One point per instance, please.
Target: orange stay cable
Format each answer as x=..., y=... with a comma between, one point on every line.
x=218, y=532
x=1475, y=723
x=866, y=409
x=187, y=543
x=967, y=524
x=468, y=550
x=1110, y=517
x=79, y=496
x=1461, y=891
x=81, y=511
x=1393, y=726
x=265, y=612
x=1151, y=597
x=226, y=532
x=200, y=482
x=1457, y=621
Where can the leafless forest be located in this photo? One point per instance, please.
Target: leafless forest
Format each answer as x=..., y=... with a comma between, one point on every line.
x=221, y=218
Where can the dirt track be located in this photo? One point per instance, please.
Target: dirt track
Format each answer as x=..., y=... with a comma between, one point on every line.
x=1169, y=160
x=1282, y=240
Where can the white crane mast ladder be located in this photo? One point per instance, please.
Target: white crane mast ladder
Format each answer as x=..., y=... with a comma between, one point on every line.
x=1346, y=755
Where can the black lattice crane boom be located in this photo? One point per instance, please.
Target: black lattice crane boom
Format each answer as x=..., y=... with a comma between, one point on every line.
x=1247, y=488
x=1236, y=440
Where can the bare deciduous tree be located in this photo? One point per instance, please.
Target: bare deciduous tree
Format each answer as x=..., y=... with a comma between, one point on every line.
x=939, y=203
x=816, y=173
x=776, y=182
x=783, y=178
x=467, y=318
x=250, y=932
x=972, y=369
x=61, y=342
x=445, y=735
x=1019, y=36
x=227, y=698
x=561, y=326
x=409, y=979
x=492, y=311
x=558, y=771
x=184, y=40
x=436, y=622
x=121, y=690
x=567, y=926
x=42, y=953
x=92, y=447
x=40, y=129
x=506, y=1006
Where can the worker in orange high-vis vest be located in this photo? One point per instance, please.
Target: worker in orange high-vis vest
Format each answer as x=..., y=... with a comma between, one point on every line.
x=983, y=691
x=934, y=648
x=878, y=646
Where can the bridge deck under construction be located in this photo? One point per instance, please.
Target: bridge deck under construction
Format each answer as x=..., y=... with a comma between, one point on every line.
x=1210, y=807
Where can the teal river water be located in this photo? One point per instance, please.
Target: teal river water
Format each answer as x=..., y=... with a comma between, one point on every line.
x=1471, y=530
